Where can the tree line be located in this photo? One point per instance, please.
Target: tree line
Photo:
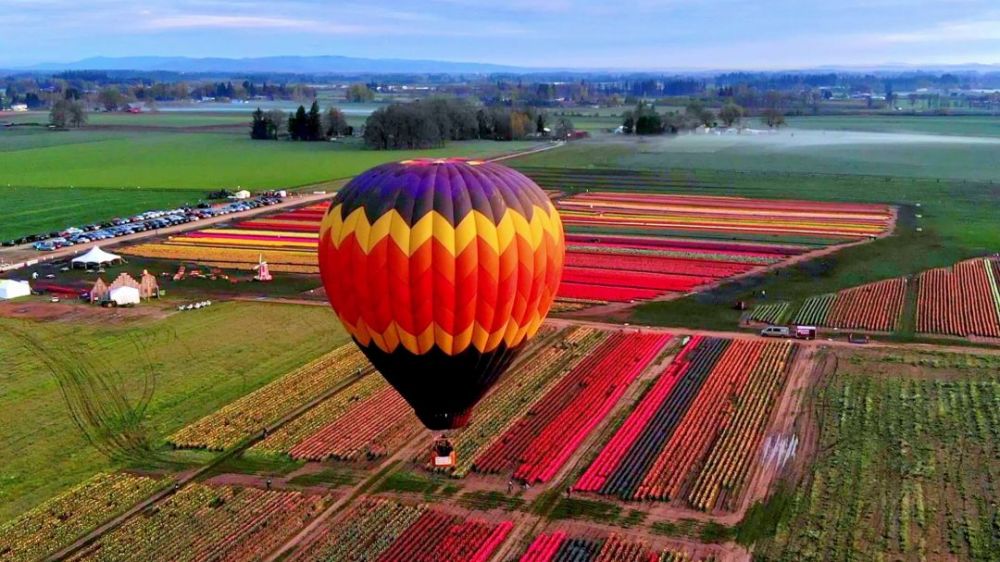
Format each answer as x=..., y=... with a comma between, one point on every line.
x=646, y=120
x=301, y=125
x=434, y=121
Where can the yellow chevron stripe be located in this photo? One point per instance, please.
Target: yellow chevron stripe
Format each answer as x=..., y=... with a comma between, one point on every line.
x=472, y=336
x=499, y=236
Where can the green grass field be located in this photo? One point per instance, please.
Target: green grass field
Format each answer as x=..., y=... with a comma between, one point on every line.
x=160, y=167
x=791, y=151
x=197, y=161
x=204, y=360
x=971, y=125
x=33, y=209
x=958, y=214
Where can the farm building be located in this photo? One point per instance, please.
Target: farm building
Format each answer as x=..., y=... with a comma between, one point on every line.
x=10, y=289
x=99, y=291
x=148, y=287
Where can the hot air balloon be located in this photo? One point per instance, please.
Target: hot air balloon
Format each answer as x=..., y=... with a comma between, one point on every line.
x=441, y=271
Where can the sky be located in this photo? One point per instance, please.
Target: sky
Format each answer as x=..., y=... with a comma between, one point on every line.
x=630, y=34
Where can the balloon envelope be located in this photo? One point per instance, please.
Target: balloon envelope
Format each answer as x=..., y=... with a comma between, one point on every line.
x=441, y=270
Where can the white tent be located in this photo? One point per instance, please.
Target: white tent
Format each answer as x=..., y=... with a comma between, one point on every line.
x=122, y=296
x=10, y=289
x=96, y=257
x=241, y=194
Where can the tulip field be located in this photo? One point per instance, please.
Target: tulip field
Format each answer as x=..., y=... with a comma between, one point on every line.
x=365, y=420
x=378, y=529
x=56, y=523
x=695, y=434
x=251, y=414
x=627, y=246
x=202, y=522
x=876, y=307
x=536, y=446
x=771, y=313
x=963, y=300
x=517, y=392
x=905, y=462
x=287, y=241
x=815, y=310
x=561, y=547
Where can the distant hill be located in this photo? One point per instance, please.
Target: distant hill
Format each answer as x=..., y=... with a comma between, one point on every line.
x=281, y=64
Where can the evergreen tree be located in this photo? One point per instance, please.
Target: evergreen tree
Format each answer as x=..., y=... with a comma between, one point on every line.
x=298, y=124
x=314, y=124
x=259, y=126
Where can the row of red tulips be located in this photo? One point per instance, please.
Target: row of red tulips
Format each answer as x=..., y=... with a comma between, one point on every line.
x=653, y=264
x=637, y=279
x=961, y=301
x=371, y=427
x=439, y=536
x=703, y=246
x=697, y=429
x=875, y=306
x=378, y=529
x=604, y=293
x=514, y=395
x=537, y=446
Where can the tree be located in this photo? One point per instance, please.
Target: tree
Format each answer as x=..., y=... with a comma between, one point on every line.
x=334, y=123
x=275, y=120
x=110, y=98
x=730, y=114
x=696, y=112
x=67, y=113
x=643, y=120
x=402, y=126
x=314, y=123
x=357, y=93
x=298, y=124
x=77, y=114
x=259, y=126
x=540, y=124
x=564, y=128
x=772, y=117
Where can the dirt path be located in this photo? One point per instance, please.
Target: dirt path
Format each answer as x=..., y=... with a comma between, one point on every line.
x=682, y=331
x=312, y=530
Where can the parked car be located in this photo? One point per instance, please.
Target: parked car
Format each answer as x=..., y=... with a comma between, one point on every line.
x=776, y=332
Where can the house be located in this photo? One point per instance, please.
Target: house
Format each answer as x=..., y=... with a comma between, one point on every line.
x=19, y=107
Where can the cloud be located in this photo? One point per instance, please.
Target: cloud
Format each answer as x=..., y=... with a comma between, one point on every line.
x=947, y=32
x=215, y=21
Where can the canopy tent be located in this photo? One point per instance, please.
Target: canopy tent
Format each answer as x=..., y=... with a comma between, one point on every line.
x=96, y=257
x=10, y=289
x=122, y=296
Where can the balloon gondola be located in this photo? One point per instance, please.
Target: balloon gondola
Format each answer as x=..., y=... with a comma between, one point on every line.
x=441, y=270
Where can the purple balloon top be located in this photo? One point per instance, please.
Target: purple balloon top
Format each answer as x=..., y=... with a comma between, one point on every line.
x=451, y=186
